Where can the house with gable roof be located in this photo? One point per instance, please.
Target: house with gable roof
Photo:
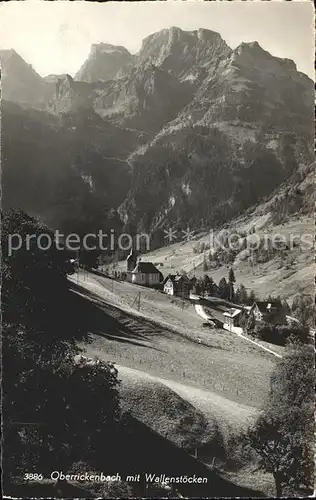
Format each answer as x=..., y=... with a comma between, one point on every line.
x=146, y=273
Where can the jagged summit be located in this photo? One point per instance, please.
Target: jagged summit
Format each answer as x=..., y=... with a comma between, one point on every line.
x=107, y=48
x=54, y=78
x=20, y=82
x=5, y=54
x=104, y=62
x=258, y=55
x=177, y=34
x=11, y=60
x=184, y=53
x=187, y=113
x=207, y=35
x=253, y=48
x=287, y=63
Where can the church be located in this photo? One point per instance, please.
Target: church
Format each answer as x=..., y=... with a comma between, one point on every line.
x=142, y=273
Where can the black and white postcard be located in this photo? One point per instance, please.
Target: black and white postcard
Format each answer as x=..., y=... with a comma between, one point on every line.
x=157, y=239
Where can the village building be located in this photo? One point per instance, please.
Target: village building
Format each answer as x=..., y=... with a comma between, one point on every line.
x=146, y=273
x=231, y=320
x=141, y=273
x=176, y=284
x=267, y=311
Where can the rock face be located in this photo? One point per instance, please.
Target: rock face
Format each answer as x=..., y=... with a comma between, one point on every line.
x=104, y=63
x=185, y=54
x=145, y=98
x=246, y=128
x=252, y=89
x=72, y=167
x=250, y=93
x=207, y=131
x=71, y=95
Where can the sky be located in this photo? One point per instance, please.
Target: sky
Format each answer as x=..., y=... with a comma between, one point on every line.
x=55, y=37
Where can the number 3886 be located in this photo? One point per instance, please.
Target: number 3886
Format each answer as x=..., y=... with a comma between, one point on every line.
x=33, y=476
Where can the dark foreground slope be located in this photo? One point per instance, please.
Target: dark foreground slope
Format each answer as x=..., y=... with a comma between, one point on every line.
x=142, y=451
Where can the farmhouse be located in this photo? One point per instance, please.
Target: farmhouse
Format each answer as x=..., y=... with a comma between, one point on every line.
x=268, y=311
x=146, y=273
x=176, y=284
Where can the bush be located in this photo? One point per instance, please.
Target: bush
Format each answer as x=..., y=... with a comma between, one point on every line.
x=237, y=455
x=269, y=333
x=116, y=489
x=303, y=309
x=282, y=334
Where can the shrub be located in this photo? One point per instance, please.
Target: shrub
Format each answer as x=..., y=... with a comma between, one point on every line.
x=282, y=334
x=116, y=489
x=237, y=455
x=303, y=309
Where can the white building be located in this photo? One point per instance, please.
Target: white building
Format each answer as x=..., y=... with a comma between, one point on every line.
x=231, y=320
x=146, y=273
x=177, y=285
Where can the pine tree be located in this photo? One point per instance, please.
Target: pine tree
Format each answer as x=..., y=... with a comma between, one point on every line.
x=205, y=266
x=231, y=281
x=286, y=307
x=224, y=288
x=252, y=297
x=231, y=276
x=208, y=284
x=251, y=323
x=243, y=294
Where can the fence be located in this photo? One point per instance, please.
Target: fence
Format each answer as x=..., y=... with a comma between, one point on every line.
x=182, y=376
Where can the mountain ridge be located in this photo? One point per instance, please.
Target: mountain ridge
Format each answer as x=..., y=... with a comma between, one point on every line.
x=198, y=123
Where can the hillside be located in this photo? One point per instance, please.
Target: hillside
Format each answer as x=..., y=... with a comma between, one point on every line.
x=164, y=411
x=194, y=388
x=288, y=213
x=73, y=168
x=284, y=276
x=170, y=339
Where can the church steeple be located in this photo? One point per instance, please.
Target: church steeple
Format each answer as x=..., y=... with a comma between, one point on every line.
x=131, y=260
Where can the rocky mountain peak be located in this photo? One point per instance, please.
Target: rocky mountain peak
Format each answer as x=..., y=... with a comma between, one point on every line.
x=104, y=63
x=187, y=113
x=255, y=50
x=107, y=48
x=20, y=82
x=252, y=54
x=6, y=54
x=289, y=64
x=183, y=52
x=54, y=78
x=206, y=35
x=12, y=62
